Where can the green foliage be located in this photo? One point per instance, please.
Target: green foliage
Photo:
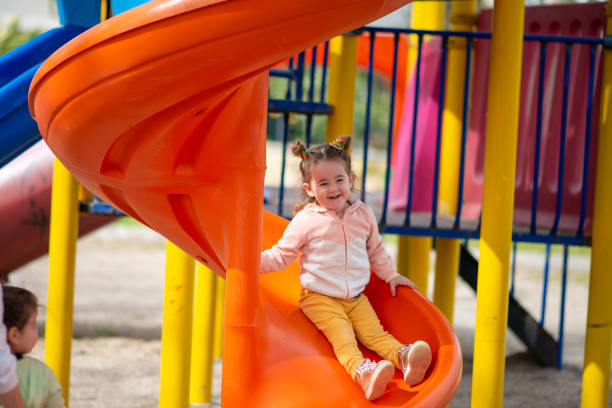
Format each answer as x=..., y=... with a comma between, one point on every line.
x=12, y=36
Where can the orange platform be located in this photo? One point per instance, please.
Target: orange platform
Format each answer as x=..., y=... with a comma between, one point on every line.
x=161, y=111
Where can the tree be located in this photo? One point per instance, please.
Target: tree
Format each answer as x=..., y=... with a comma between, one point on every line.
x=12, y=36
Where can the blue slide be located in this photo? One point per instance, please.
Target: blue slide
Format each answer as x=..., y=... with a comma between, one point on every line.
x=18, y=130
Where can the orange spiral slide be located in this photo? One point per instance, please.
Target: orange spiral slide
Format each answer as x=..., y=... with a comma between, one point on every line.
x=161, y=111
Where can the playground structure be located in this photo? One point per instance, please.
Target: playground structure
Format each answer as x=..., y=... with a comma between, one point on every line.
x=481, y=394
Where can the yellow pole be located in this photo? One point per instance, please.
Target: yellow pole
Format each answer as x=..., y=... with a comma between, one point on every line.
x=596, y=371
x=103, y=9
x=176, y=328
x=462, y=17
x=425, y=16
x=497, y=203
x=341, y=90
x=202, y=338
x=413, y=260
x=447, y=266
x=63, y=231
x=84, y=195
x=219, y=309
x=413, y=252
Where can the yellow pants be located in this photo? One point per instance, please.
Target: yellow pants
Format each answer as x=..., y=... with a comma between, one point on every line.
x=344, y=322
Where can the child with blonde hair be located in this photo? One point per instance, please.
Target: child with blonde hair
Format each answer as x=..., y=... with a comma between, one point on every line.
x=39, y=386
x=339, y=241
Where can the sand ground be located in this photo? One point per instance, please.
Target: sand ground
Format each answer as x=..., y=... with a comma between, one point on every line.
x=118, y=316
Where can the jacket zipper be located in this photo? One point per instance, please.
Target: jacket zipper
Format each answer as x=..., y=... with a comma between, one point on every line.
x=345, y=257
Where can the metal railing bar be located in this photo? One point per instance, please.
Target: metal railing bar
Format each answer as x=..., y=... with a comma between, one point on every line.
x=366, y=134
x=281, y=190
x=390, y=132
x=415, y=112
x=293, y=80
x=282, y=73
x=308, y=129
x=587, y=141
x=324, y=71
x=434, y=198
x=463, y=234
x=466, y=91
x=562, y=313
x=538, y=141
x=299, y=92
x=313, y=71
x=545, y=285
x=486, y=35
x=562, y=142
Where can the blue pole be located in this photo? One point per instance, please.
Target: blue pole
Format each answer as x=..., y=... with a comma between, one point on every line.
x=466, y=89
x=553, y=230
x=434, y=199
x=324, y=73
x=415, y=113
x=587, y=143
x=390, y=132
x=562, y=315
x=366, y=135
x=538, y=141
x=545, y=285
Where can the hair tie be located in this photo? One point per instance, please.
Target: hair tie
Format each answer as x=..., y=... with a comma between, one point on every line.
x=305, y=154
x=337, y=144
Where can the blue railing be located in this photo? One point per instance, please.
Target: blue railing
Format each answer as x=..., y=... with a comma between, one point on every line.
x=406, y=224
x=296, y=100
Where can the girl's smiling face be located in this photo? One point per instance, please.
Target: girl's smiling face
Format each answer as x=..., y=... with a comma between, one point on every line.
x=330, y=185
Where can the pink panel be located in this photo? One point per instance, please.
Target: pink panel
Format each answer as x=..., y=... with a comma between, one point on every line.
x=582, y=20
x=425, y=145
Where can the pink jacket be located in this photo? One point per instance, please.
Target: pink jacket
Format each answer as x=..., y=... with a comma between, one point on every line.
x=337, y=254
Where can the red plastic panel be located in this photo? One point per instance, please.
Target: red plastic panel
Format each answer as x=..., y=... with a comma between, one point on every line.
x=25, y=191
x=580, y=20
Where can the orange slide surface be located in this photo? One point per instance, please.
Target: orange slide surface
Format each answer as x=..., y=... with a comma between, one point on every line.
x=161, y=111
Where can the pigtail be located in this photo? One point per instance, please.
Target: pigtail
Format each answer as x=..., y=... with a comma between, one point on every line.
x=298, y=148
x=347, y=142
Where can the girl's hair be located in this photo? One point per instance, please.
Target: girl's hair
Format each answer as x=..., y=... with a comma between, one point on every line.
x=19, y=305
x=337, y=150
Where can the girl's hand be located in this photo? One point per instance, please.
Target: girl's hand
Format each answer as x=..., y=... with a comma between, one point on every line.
x=400, y=281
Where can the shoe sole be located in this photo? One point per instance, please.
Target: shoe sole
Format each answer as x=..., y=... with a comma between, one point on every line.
x=380, y=378
x=419, y=359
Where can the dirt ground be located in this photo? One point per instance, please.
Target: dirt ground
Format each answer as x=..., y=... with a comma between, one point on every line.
x=118, y=316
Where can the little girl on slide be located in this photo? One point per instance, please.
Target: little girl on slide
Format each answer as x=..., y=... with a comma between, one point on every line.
x=339, y=240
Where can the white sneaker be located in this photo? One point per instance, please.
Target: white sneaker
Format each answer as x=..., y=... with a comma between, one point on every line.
x=373, y=377
x=415, y=360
